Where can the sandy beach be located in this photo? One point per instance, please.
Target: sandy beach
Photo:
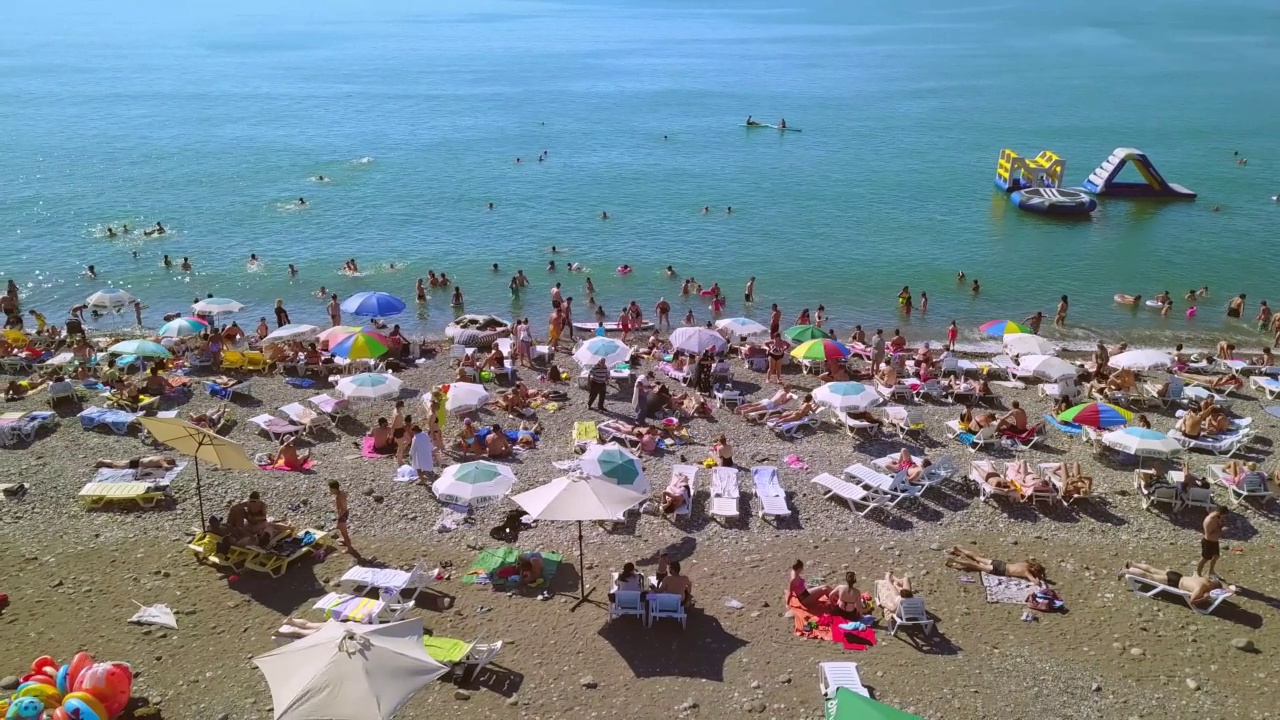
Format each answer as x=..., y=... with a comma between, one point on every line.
x=73, y=575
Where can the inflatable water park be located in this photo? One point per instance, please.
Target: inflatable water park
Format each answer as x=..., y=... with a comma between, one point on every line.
x=1035, y=184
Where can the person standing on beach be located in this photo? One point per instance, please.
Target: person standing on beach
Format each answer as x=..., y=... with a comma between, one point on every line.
x=877, y=349
x=282, y=315
x=775, y=320
x=1034, y=321
x=1210, y=542
x=421, y=453
x=344, y=515
x=1060, y=319
x=555, y=325
x=335, y=310
x=749, y=292
x=556, y=299
x=952, y=333
x=663, y=310
x=597, y=384
x=566, y=316
x=640, y=396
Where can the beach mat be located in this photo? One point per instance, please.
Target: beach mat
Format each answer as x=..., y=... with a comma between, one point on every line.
x=152, y=476
x=366, y=449
x=1012, y=591
x=848, y=639
x=491, y=560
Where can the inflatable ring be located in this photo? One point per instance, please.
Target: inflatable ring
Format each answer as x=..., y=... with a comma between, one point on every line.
x=1153, y=303
x=1191, y=312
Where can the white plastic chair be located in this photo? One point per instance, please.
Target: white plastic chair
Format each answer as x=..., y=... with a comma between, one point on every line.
x=667, y=605
x=910, y=612
x=835, y=675
x=627, y=602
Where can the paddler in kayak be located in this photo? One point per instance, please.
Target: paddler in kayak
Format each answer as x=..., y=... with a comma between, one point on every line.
x=751, y=122
x=782, y=124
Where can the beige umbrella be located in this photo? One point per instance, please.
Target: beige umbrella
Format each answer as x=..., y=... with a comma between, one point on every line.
x=349, y=671
x=201, y=444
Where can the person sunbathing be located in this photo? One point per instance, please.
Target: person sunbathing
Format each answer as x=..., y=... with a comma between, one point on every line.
x=809, y=597
x=286, y=455
x=1198, y=587
x=982, y=420
x=915, y=475
x=1189, y=425
x=1074, y=483
x=19, y=389
x=847, y=598
x=865, y=416
x=383, y=443
x=530, y=565
x=494, y=360
x=887, y=376
x=1030, y=570
x=676, y=495
x=1235, y=472
x=891, y=590
x=467, y=442
x=777, y=400
x=157, y=462
x=1230, y=381
x=904, y=461
x=807, y=408
x=836, y=372
x=496, y=444
x=213, y=419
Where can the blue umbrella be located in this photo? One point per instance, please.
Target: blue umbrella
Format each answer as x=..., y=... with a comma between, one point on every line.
x=373, y=304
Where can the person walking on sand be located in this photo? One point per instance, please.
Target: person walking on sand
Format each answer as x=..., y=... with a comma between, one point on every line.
x=1210, y=542
x=597, y=384
x=344, y=515
x=1060, y=319
x=953, y=332
x=421, y=453
x=663, y=310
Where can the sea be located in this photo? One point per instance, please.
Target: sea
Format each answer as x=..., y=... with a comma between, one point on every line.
x=215, y=118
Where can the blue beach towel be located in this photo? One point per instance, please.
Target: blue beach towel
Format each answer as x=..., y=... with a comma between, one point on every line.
x=1066, y=427
x=117, y=420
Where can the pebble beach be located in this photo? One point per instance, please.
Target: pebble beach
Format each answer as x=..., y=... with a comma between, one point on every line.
x=73, y=575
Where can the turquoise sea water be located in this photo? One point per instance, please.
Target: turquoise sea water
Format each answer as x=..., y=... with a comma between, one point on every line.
x=213, y=118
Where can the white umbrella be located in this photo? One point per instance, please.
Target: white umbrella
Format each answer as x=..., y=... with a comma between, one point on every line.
x=1142, y=442
x=1027, y=344
x=578, y=498
x=597, y=348
x=217, y=306
x=201, y=444
x=1142, y=360
x=846, y=396
x=1048, y=367
x=292, y=332
x=473, y=483
x=349, y=671
x=616, y=464
x=741, y=326
x=465, y=397
x=110, y=299
x=697, y=340
x=369, y=386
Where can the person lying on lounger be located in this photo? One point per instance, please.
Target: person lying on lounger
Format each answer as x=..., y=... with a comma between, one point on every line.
x=677, y=493
x=212, y=420
x=1074, y=483
x=1199, y=587
x=962, y=559
x=807, y=408
x=778, y=399
x=159, y=462
x=891, y=590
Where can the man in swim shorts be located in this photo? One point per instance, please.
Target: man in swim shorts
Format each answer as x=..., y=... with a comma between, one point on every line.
x=964, y=560
x=1198, y=587
x=749, y=292
x=344, y=515
x=1210, y=541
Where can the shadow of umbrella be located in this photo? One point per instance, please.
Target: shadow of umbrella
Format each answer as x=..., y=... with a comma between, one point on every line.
x=698, y=651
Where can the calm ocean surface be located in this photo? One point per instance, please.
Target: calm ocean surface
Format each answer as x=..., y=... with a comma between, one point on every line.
x=212, y=119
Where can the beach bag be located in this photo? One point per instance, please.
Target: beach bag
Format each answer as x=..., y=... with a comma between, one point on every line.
x=1045, y=601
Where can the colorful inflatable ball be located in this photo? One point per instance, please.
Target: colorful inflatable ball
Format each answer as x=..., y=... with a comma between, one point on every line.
x=84, y=706
x=110, y=683
x=26, y=708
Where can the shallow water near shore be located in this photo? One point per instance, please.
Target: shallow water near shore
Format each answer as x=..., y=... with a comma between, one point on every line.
x=214, y=121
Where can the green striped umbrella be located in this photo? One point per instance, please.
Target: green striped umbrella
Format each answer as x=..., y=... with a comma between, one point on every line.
x=849, y=705
x=473, y=483
x=616, y=464
x=804, y=333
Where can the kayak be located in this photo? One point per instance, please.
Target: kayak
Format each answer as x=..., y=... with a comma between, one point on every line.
x=771, y=127
x=611, y=326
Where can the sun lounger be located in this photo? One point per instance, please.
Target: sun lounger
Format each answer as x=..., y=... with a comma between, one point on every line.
x=724, y=493
x=360, y=579
x=1025, y=439
x=1062, y=389
x=275, y=562
x=851, y=494
x=226, y=392
x=1164, y=492
x=1011, y=366
x=359, y=609
x=770, y=409
x=910, y=613
x=973, y=441
x=99, y=495
x=610, y=431
x=1268, y=385
x=307, y=418
x=1220, y=445
x=333, y=407
x=773, y=499
x=885, y=463
x=62, y=390
x=1200, y=393
x=1150, y=588
x=466, y=658
x=906, y=421
x=585, y=432
x=852, y=426
x=1254, y=484
x=899, y=391
x=1033, y=488
x=276, y=428
x=895, y=489
x=118, y=421
x=20, y=427
x=978, y=472
x=667, y=605
x=835, y=675
x=627, y=602
x=792, y=428
x=691, y=472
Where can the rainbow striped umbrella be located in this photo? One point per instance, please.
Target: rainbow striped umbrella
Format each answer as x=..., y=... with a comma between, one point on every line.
x=820, y=350
x=337, y=332
x=360, y=345
x=804, y=333
x=183, y=327
x=1097, y=415
x=1003, y=327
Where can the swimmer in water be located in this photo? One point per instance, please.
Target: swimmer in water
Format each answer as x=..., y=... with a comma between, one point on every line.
x=782, y=123
x=575, y=267
x=186, y=264
x=490, y=206
x=292, y=270
x=540, y=158
x=624, y=269
x=167, y=262
x=457, y=297
x=253, y=260
x=554, y=250
x=517, y=161
x=111, y=232
x=391, y=266
x=302, y=201
x=90, y=271
x=604, y=215
x=551, y=266
x=706, y=209
x=495, y=267
x=159, y=229
x=728, y=210
x=591, y=288
x=321, y=178
x=322, y=292
x=124, y=229
x=976, y=288
x=960, y=276
x=1203, y=292
x=671, y=272
x=750, y=122
x=135, y=254
x=444, y=280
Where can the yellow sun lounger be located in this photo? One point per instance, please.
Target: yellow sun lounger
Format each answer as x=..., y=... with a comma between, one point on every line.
x=275, y=564
x=97, y=494
x=585, y=433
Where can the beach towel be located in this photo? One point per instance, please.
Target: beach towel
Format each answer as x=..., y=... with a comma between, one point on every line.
x=405, y=474
x=1011, y=591
x=795, y=463
x=366, y=448
x=447, y=651
x=857, y=640
x=299, y=382
x=117, y=420
x=154, y=615
x=218, y=391
x=281, y=466
x=825, y=626
x=153, y=477
x=451, y=516
x=493, y=560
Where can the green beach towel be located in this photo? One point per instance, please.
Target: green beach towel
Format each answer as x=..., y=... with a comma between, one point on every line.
x=493, y=559
x=447, y=651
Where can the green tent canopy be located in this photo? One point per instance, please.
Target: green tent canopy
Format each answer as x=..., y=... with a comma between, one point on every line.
x=849, y=705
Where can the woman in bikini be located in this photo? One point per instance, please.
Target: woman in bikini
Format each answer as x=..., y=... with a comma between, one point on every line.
x=798, y=589
x=847, y=598
x=776, y=348
x=1030, y=570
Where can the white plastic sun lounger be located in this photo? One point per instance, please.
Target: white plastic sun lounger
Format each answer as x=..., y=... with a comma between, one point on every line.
x=894, y=489
x=1220, y=445
x=852, y=426
x=275, y=428
x=770, y=409
x=792, y=429
x=1150, y=588
x=406, y=583
x=356, y=608
x=910, y=613
x=1253, y=484
x=773, y=499
x=978, y=471
x=850, y=493
x=308, y=418
x=904, y=421
x=691, y=472
x=1268, y=385
x=835, y=675
x=724, y=493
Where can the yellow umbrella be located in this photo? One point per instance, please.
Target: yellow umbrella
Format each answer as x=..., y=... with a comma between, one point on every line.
x=201, y=444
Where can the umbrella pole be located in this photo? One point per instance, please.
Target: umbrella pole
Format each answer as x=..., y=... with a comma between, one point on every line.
x=583, y=590
x=199, y=490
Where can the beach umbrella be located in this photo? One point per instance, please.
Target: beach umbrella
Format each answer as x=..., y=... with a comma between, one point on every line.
x=217, y=306
x=1142, y=360
x=846, y=704
x=110, y=299
x=1097, y=415
x=465, y=397
x=846, y=396
x=697, y=340
x=1142, y=442
x=824, y=349
x=289, y=332
x=1003, y=327
x=349, y=671
x=200, y=444
x=336, y=333
x=16, y=337
x=597, y=348
x=473, y=483
x=470, y=337
x=360, y=345
x=373, y=304
x=1048, y=367
x=182, y=327
x=578, y=498
x=141, y=348
x=741, y=326
x=1027, y=344
x=369, y=386
x=616, y=464
x=803, y=333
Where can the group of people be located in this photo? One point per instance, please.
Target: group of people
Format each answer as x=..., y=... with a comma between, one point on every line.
x=668, y=579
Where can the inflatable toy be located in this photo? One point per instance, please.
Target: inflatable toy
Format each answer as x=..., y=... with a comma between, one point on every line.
x=108, y=682
x=25, y=709
x=624, y=269
x=78, y=690
x=60, y=713
x=80, y=662
x=1054, y=201
x=84, y=707
x=1191, y=312
x=1102, y=181
x=46, y=694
